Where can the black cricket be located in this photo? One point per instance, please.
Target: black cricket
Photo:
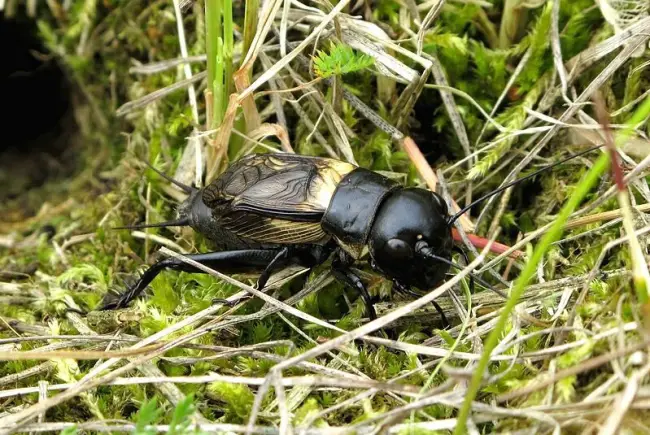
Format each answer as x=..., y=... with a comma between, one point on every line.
x=268, y=211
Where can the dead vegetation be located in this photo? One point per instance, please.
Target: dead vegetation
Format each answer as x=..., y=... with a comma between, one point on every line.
x=462, y=96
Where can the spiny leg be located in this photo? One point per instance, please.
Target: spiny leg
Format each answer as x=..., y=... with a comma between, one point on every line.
x=342, y=272
x=472, y=288
x=281, y=260
x=308, y=256
x=224, y=261
x=401, y=288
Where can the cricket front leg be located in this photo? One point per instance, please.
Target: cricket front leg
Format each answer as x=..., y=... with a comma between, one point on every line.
x=307, y=256
x=341, y=270
x=406, y=290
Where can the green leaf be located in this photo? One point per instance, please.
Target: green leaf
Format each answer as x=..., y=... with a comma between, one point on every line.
x=182, y=416
x=69, y=431
x=340, y=60
x=147, y=415
x=308, y=410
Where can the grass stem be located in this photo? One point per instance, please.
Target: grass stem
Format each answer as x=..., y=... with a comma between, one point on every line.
x=554, y=233
x=250, y=24
x=228, y=49
x=213, y=35
x=513, y=22
x=218, y=108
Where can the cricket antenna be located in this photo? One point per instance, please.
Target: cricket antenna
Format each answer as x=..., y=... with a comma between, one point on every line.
x=176, y=223
x=453, y=218
x=187, y=189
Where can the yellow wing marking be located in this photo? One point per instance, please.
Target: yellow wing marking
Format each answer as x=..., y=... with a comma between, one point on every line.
x=270, y=230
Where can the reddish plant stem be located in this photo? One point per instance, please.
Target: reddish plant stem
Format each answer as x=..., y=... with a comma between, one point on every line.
x=480, y=243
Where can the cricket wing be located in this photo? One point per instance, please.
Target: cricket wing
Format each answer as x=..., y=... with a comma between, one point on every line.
x=285, y=186
x=263, y=229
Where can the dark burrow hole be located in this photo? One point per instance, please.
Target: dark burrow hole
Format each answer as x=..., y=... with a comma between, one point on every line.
x=38, y=126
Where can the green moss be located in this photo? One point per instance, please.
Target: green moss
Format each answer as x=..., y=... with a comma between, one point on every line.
x=110, y=187
x=238, y=398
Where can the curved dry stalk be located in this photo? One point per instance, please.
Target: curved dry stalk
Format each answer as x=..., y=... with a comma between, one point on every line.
x=589, y=364
x=131, y=106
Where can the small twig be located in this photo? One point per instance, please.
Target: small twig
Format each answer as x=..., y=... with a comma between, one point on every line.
x=129, y=107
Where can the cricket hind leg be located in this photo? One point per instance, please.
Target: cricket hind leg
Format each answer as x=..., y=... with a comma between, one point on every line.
x=236, y=261
x=226, y=261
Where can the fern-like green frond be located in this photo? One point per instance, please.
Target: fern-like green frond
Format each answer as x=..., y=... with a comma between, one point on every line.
x=340, y=60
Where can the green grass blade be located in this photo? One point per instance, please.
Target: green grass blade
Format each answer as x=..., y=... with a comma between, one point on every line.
x=250, y=24
x=555, y=232
x=219, y=108
x=228, y=49
x=213, y=33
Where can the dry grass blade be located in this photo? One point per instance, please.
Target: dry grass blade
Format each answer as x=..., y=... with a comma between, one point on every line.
x=251, y=114
x=186, y=67
x=131, y=106
x=384, y=61
x=579, y=63
x=164, y=65
x=219, y=147
x=431, y=15
x=295, y=52
x=557, y=50
x=266, y=130
x=580, y=368
x=32, y=371
x=72, y=354
x=450, y=105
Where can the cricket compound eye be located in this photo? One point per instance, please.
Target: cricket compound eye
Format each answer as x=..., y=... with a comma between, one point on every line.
x=399, y=249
